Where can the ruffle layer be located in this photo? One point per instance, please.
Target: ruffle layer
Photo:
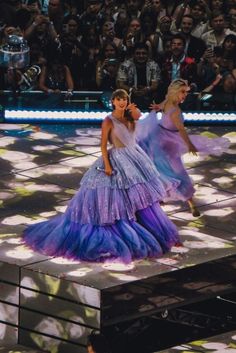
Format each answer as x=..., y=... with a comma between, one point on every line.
x=106, y=205
x=150, y=236
x=131, y=166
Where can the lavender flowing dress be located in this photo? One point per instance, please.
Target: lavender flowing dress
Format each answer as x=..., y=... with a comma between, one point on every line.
x=164, y=145
x=114, y=217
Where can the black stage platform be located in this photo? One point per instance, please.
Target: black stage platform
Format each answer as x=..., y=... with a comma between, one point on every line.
x=53, y=304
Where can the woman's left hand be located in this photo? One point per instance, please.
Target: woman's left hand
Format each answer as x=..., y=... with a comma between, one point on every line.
x=135, y=112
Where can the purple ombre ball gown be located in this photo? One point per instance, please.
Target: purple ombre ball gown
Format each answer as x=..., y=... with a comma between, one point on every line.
x=111, y=218
x=164, y=145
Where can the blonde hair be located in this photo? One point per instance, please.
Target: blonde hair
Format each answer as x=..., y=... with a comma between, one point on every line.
x=174, y=87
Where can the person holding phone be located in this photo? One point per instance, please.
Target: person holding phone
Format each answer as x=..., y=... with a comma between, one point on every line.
x=107, y=67
x=140, y=76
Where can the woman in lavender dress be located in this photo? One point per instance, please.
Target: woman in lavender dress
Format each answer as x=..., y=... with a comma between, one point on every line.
x=115, y=215
x=166, y=141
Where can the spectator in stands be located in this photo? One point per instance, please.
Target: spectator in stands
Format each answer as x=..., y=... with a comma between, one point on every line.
x=232, y=18
x=132, y=36
x=217, y=5
x=230, y=3
x=200, y=13
x=44, y=6
x=229, y=46
x=226, y=55
x=55, y=76
x=148, y=21
x=74, y=54
x=7, y=11
x=90, y=43
x=194, y=47
x=34, y=7
x=41, y=32
x=107, y=67
x=90, y=17
x=109, y=8
x=157, y=6
x=162, y=35
x=140, y=76
x=176, y=9
x=219, y=31
x=207, y=68
x=108, y=35
x=36, y=56
x=10, y=30
x=133, y=8
x=223, y=89
x=178, y=65
x=71, y=25
x=70, y=8
x=136, y=34
x=166, y=54
x=121, y=24
x=56, y=14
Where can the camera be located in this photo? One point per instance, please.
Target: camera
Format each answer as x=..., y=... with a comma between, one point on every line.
x=14, y=53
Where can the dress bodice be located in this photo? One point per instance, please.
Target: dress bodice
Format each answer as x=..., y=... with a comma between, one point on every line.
x=166, y=121
x=121, y=136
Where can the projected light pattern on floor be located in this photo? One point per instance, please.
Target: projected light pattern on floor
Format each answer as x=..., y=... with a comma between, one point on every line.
x=225, y=343
x=40, y=171
x=43, y=168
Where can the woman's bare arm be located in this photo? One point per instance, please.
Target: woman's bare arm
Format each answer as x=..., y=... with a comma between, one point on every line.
x=69, y=79
x=175, y=117
x=42, y=80
x=135, y=112
x=106, y=129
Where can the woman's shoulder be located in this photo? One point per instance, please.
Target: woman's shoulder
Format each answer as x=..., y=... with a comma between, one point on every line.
x=107, y=122
x=169, y=110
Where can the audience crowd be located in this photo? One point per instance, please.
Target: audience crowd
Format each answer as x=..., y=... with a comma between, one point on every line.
x=138, y=45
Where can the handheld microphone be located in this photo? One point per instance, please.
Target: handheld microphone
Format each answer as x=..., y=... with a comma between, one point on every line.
x=103, y=170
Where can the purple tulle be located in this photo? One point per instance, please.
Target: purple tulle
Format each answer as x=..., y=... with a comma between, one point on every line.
x=114, y=217
x=150, y=236
x=164, y=145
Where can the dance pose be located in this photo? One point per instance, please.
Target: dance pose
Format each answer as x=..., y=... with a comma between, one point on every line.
x=166, y=141
x=115, y=215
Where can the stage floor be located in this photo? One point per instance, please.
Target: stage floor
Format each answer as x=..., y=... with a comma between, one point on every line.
x=40, y=169
x=217, y=344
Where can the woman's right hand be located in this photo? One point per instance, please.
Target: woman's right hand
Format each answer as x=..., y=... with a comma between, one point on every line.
x=108, y=170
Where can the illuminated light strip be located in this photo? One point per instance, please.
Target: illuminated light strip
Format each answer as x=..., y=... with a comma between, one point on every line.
x=92, y=116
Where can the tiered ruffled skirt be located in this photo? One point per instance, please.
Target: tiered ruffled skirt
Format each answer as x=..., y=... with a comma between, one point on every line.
x=111, y=218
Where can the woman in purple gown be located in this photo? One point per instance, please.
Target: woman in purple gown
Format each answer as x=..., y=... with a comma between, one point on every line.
x=167, y=140
x=115, y=215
